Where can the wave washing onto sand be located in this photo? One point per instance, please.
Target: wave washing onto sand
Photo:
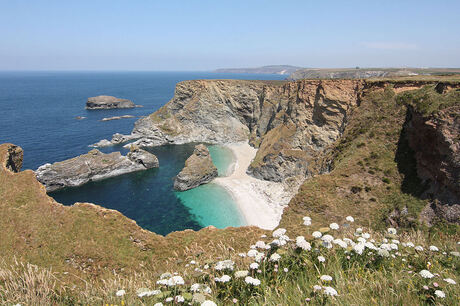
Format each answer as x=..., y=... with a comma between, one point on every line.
x=260, y=202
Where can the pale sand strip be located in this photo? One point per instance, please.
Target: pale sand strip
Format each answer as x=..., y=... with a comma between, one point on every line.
x=260, y=202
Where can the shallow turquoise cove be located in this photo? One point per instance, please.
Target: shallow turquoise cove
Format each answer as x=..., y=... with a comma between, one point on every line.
x=211, y=204
x=223, y=158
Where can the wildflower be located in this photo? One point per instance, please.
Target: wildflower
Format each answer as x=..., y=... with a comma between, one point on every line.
x=307, y=300
x=279, y=232
x=395, y=241
x=192, y=262
x=350, y=219
x=334, y=226
x=366, y=235
x=162, y=282
x=409, y=244
x=254, y=266
x=252, y=253
x=419, y=248
x=326, y=278
x=384, y=240
x=120, y=292
x=359, y=248
x=317, y=234
x=361, y=240
x=158, y=304
x=241, y=274
x=370, y=245
x=440, y=294
x=252, y=281
x=307, y=221
x=235, y=300
x=433, y=248
x=358, y=231
x=302, y=243
x=275, y=257
x=348, y=241
x=223, y=279
x=321, y=259
x=260, y=244
x=317, y=287
x=393, y=246
x=169, y=299
x=179, y=299
x=286, y=270
x=340, y=243
x=225, y=264
x=426, y=287
x=450, y=281
x=330, y=291
x=385, y=246
x=195, y=287
x=327, y=238
x=141, y=293
x=208, y=303
x=391, y=231
x=435, y=284
x=259, y=257
x=175, y=280
x=383, y=252
x=426, y=274
x=263, y=236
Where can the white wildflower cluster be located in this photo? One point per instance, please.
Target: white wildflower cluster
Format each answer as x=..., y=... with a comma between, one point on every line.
x=275, y=257
x=426, y=274
x=252, y=281
x=301, y=243
x=223, y=279
x=225, y=265
x=306, y=221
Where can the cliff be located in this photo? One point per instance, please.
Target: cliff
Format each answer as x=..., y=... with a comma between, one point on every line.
x=289, y=121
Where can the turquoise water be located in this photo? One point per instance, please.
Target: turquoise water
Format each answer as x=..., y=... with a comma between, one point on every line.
x=38, y=114
x=211, y=203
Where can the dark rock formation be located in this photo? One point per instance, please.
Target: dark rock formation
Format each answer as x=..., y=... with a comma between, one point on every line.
x=107, y=102
x=435, y=139
x=198, y=170
x=14, y=157
x=92, y=166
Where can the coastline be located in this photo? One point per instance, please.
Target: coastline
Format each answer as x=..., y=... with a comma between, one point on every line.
x=260, y=202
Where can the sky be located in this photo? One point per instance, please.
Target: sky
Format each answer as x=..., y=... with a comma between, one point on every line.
x=205, y=35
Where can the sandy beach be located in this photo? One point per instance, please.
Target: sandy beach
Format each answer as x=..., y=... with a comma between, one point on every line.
x=260, y=202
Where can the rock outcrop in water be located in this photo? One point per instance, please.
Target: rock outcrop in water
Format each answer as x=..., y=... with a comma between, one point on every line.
x=199, y=169
x=108, y=102
x=93, y=166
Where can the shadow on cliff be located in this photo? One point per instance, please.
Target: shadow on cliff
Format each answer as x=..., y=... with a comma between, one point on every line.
x=407, y=164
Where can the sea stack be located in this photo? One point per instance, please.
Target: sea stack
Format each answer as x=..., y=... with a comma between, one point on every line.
x=199, y=169
x=108, y=102
x=93, y=166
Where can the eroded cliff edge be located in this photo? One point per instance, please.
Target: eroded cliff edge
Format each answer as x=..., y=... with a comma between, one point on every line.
x=290, y=122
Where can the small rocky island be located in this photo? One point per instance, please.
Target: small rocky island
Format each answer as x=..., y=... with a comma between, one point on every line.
x=109, y=102
x=199, y=169
x=93, y=166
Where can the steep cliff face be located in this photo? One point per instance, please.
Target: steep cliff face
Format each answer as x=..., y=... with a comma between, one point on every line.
x=289, y=121
x=436, y=142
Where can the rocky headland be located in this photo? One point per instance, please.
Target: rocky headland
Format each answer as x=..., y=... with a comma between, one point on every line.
x=93, y=166
x=199, y=169
x=108, y=102
x=293, y=125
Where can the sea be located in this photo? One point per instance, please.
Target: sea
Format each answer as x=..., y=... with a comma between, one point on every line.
x=39, y=113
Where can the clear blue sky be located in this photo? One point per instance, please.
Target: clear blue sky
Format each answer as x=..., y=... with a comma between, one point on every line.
x=203, y=35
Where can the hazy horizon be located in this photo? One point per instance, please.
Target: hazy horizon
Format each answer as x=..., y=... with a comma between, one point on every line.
x=207, y=35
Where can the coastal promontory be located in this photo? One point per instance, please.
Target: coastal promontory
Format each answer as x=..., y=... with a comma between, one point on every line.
x=93, y=166
x=199, y=169
x=108, y=102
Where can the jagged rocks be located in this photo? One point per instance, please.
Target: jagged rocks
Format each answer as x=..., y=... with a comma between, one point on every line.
x=108, y=102
x=199, y=169
x=93, y=166
x=13, y=158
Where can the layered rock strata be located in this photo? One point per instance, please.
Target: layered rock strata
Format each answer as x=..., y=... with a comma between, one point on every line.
x=108, y=102
x=93, y=166
x=199, y=169
x=290, y=122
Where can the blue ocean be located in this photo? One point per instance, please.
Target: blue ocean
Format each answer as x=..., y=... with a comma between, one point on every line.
x=39, y=111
